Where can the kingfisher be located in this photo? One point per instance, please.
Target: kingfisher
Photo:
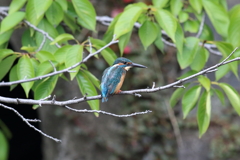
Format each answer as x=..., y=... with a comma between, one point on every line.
x=114, y=76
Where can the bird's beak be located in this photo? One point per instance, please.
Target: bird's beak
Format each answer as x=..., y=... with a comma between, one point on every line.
x=137, y=65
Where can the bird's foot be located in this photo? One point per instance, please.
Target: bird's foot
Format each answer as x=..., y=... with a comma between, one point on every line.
x=119, y=91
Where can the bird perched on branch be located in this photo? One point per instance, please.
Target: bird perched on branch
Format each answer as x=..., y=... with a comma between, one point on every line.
x=113, y=76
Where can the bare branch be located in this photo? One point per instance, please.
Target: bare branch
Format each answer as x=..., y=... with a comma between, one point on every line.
x=42, y=44
x=131, y=92
x=174, y=124
x=201, y=27
x=182, y=86
x=107, y=113
x=29, y=120
x=54, y=68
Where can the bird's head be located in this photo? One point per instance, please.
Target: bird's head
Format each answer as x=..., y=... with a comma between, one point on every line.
x=126, y=63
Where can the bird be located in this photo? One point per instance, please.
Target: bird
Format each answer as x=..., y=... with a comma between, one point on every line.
x=114, y=76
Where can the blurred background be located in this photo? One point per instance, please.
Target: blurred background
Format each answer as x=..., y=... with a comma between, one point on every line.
x=151, y=136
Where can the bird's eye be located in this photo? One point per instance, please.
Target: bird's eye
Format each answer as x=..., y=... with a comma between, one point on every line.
x=124, y=62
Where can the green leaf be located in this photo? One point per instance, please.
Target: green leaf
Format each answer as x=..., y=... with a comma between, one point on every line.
x=6, y=64
x=35, y=64
x=219, y=17
x=4, y=147
x=126, y=21
x=191, y=26
x=70, y=22
x=16, y=5
x=189, y=51
x=86, y=13
x=200, y=59
x=232, y=95
x=160, y=3
x=166, y=20
x=183, y=16
x=25, y=70
x=205, y=82
x=4, y=53
x=74, y=55
x=93, y=79
x=45, y=68
x=11, y=21
x=61, y=38
x=54, y=14
x=177, y=94
x=46, y=87
x=226, y=49
x=220, y=95
x=176, y=6
x=148, y=33
x=123, y=41
x=60, y=54
x=204, y=112
x=13, y=76
x=4, y=37
x=43, y=56
x=47, y=27
x=207, y=33
x=86, y=87
x=234, y=27
x=190, y=99
x=35, y=10
x=159, y=43
x=179, y=36
x=63, y=4
x=108, y=36
x=222, y=71
x=197, y=5
x=107, y=53
x=27, y=40
x=28, y=49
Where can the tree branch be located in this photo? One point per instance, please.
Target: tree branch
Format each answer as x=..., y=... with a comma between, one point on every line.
x=60, y=71
x=30, y=120
x=107, y=113
x=131, y=92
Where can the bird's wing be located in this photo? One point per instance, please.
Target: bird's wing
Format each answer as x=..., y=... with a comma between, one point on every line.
x=114, y=79
x=111, y=77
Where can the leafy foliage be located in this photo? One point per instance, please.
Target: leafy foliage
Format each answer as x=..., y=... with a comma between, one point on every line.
x=164, y=18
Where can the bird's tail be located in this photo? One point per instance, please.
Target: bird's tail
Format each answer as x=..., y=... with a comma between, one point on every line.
x=104, y=99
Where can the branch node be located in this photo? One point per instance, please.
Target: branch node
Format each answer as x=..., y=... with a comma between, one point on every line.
x=85, y=96
x=53, y=99
x=137, y=94
x=153, y=86
x=17, y=101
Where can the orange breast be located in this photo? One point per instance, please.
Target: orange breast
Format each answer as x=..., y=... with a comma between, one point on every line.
x=120, y=83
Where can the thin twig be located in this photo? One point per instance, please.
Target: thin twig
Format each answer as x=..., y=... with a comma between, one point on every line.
x=54, y=68
x=42, y=44
x=174, y=125
x=107, y=113
x=201, y=27
x=27, y=122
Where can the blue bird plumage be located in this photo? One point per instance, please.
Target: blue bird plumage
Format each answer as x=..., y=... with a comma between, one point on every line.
x=113, y=76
